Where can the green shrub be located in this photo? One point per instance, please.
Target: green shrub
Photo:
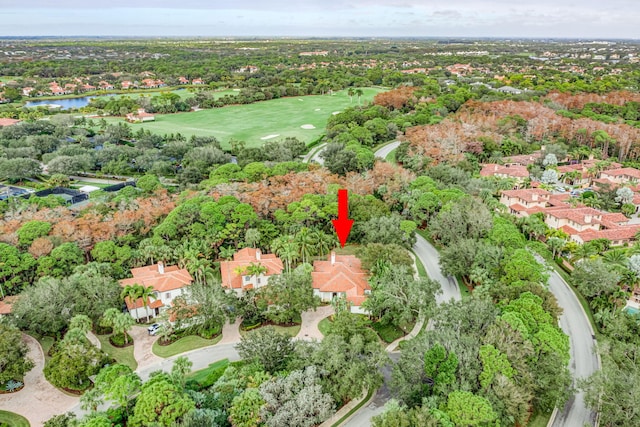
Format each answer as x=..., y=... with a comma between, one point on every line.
x=210, y=332
x=118, y=340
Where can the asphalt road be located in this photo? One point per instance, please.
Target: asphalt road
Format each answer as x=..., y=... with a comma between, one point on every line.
x=584, y=360
x=201, y=358
x=384, y=151
x=429, y=257
x=314, y=155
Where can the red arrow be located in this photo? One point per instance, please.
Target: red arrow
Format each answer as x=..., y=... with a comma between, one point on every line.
x=343, y=224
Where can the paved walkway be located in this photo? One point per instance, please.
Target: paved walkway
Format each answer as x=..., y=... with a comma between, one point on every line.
x=142, y=347
x=231, y=332
x=310, y=319
x=38, y=400
x=93, y=339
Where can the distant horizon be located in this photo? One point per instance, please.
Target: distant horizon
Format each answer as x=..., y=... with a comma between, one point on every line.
x=546, y=19
x=319, y=37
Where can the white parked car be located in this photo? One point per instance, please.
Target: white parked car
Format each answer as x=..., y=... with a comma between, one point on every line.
x=153, y=329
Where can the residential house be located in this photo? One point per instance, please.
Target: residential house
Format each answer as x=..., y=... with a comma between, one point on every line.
x=127, y=84
x=315, y=53
x=26, y=91
x=183, y=80
x=6, y=303
x=87, y=87
x=140, y=116
x=341, y=276
x=197, y=82
x=167, y=283
x=104, y=85
x=510, y=90
x=235, y=274
x=521, y=202
x=8, y=122
x=622, y=235
x=519, y=173
x=621, y=175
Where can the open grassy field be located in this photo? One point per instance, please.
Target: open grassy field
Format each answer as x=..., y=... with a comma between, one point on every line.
x=274, y=119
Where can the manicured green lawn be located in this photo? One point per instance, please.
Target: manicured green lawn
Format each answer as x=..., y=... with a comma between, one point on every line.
x=202, y=376
x=282, y=117
x=387, y=333
x=391, y=157
x=13, y=420
x=122, y=355
x=292, y=331
x=184, y=344
x=422, y=272
x=46, y=343
x=324, y=325
x=539, y=419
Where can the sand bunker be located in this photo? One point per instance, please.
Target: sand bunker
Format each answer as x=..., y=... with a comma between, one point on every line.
x=270, y=136
x=308, y=127
x=335, y=112
x=317, y=109
x=300, y=99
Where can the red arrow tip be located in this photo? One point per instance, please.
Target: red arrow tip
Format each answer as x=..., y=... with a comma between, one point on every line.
x=343, y=228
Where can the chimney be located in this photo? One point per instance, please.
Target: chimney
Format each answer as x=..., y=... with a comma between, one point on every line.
x=495, y=168
x=534, y=197
x=160, y=267
x=258, y=254
x=333, y=257
x=587, y=218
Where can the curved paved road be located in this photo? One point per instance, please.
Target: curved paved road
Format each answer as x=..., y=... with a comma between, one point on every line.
x=314, y=155
x=383, y=152
x=430, y=258
x=584, y=359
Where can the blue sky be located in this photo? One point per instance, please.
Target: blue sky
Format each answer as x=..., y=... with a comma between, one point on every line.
x=392, y=18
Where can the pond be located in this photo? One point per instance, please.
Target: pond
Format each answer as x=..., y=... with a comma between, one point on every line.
x=63, y=104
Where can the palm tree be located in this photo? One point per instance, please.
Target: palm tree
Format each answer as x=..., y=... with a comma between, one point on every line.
x=146, y=293
x=226, y=253
x=255, y=270
x=351, y=92
x=359, y=93
x=132, y=292
x=616, y=257
x=583, y=252
x=306, y=243
x=556, y=244
x=252, y=237
x=118, y=321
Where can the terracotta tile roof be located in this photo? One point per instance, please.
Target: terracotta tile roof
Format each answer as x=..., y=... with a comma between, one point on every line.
x=8, y=122
x=620, y=233
x=522, y=159
x=515, y=171
x=518, y=207
x=243, y=258
x=623, y=172
x=569, y=230
x=615, y=217
x=6, y=303
x=577, y=215
x=344, y=275
x=172, y=278
x=528, y=194
x=152, y=304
